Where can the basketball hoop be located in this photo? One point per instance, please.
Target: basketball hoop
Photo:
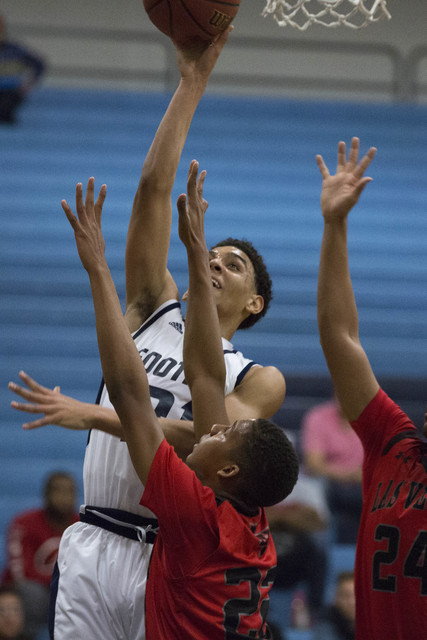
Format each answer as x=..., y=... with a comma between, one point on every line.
x=300, y=14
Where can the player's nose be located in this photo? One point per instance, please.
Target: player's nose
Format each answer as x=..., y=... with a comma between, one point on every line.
x=215, y=263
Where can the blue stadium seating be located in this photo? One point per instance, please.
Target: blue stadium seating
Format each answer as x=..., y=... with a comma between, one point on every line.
x=262, y=184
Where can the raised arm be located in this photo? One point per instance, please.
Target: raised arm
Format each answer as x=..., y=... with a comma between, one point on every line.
x=123, y=370
x=148, y=282
x=204, y=365
x=352, y=376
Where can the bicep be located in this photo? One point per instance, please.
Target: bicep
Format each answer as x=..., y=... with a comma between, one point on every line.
x=259, y=395
x=354, y=381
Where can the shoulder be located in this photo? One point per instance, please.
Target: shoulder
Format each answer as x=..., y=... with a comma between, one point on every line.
x=268, y=377
x=381, y=420
x=263, y=390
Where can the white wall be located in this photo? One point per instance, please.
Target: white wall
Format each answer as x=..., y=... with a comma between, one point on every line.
x=405, y=31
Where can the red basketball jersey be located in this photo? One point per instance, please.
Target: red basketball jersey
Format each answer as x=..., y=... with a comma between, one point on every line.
x=391, y=557
x=212, y=566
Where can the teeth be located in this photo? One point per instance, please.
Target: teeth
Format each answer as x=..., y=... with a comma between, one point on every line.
x=216, y=284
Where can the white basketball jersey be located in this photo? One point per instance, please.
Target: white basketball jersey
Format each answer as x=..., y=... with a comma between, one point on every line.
x=109, y=477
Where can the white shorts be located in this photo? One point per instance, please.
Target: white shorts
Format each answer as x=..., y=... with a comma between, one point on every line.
x=101, y=587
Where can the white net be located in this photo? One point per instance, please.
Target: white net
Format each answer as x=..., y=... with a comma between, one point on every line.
x=300, y=14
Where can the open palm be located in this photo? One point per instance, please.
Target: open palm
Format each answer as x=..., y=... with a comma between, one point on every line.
x=341, y=191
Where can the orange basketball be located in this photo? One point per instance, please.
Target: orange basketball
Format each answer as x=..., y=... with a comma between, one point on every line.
x=190, y=22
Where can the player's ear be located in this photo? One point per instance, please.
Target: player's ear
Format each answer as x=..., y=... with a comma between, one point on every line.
x=185, y=296
x=255, y=304
x=230, y=470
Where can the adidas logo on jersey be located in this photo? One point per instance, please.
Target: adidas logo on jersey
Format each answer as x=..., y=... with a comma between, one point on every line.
x=177, y=326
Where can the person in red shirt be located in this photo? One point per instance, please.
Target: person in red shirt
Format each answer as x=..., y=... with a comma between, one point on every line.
x=32, y=546
x=391, y=567
x=213, y=559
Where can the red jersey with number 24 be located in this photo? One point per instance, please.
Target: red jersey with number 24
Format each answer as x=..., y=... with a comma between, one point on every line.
x=211, y=567
x=391, y=557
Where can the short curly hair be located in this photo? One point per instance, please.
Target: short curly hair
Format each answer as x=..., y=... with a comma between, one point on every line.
x=263, y=284
x=268, y=464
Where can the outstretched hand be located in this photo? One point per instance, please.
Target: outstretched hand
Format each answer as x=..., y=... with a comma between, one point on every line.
x=199, y=61
x=192, y=208
x=87, y=226
x=341, y=191
x=58, y=409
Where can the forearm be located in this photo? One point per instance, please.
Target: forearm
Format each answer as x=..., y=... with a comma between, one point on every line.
x=203, y=353
x=123, y=371
x=204, y=365
x=163, y=157
x=336, y=305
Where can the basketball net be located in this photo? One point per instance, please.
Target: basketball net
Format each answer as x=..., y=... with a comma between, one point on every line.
x=300, y=14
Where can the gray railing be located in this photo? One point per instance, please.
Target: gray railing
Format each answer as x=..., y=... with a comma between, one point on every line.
x=400, y=83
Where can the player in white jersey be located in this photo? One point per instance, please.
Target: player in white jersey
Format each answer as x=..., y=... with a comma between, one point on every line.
x=103, y=559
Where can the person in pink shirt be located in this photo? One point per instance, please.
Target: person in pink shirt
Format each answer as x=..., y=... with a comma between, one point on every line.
x=332, y=451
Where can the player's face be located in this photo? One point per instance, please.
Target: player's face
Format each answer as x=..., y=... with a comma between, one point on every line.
x=233, y=279
x=215, y=449
x=425, y=425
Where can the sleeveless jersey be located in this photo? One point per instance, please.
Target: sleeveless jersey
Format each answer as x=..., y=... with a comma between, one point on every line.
x=108, y=474
x=212, y=566
x=391, y=557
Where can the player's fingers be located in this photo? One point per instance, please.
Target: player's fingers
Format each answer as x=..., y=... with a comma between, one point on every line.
x=24, y=393
x=341, y=156
x=89, y=192
x=80, y=207
x=365, y=162
x=200, y=183
x=100, y=202
x=322, y=166
x=353, y=155
x=181, y=204
x=192, y=174
x=35, y=424
x=362, y=184
x=222, y=38
x=27, y=407
x=31, y=383
x=70, y=215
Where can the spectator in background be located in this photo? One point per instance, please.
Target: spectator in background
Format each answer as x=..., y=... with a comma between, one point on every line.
x=20, y=70
x=11, y=615
x=32, y=548
x=331, y=450
x=338, y=619
x=297, y=525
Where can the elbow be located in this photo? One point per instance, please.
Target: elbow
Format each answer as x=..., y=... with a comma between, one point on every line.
x=152, y=181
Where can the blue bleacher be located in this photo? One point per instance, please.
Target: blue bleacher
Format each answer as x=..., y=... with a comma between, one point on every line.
x=262, y=183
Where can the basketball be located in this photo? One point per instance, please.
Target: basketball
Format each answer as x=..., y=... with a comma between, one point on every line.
x=190, y=22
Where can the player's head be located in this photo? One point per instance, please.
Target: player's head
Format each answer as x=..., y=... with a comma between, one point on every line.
x=255, y=282
x=60, y=494
x=251, y=461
